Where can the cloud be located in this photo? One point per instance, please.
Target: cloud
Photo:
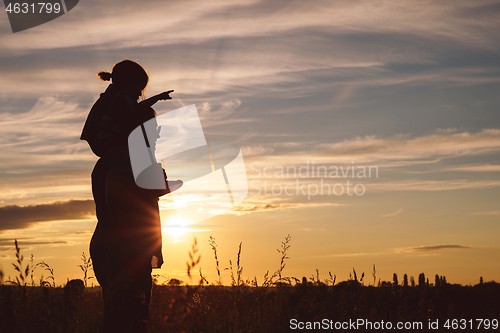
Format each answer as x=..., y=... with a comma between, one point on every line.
x=220, y=45
x=248, y=207
x=358, y=254
x=393, y=214
x=19, y=217
x=256, y=70
x=51, y=129
x=199, y=20
x=42, y=156
x=487, y=213
x=7, y=244
x=397, y=156
x=432, y=185
x=433, y=248
x=477, y=168
x=221, y=113
x=327, y=186
x=427, y=248
x=397, y=151
x=402, y=147
x=252, y=203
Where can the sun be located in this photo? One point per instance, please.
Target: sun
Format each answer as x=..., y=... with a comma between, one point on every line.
x=175, y=227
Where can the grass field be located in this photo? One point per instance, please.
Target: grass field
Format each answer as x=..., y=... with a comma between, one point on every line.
x=246, y=306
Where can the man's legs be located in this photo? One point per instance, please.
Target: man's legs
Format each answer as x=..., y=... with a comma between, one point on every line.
x=126, y=300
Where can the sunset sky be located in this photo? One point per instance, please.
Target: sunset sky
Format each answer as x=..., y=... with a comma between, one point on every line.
x=408, y=88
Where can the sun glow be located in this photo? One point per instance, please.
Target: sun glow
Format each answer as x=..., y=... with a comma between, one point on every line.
x=175, y=227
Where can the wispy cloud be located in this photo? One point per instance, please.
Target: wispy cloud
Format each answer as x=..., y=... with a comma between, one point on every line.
x=434, y=248
x=393, y=214
x=199, y=20
x=486, y=213
x=417, y=249
x=47, y=134
x=477, y=168
x=222, y=46
x=354, y=254
x=42, y=155
x=400, y=154
x=401, y=149
x=254, y=206
x=432, y=185
x=7, y=244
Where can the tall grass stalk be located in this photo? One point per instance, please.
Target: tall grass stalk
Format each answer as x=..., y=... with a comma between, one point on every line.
x=239, y=269
x=85, y=267
x=213, y=245
x=23, y=273
x=45, y=282
x=284, y=248
x=193, y=260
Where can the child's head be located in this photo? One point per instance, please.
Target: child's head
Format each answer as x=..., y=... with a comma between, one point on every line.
x=127, y=74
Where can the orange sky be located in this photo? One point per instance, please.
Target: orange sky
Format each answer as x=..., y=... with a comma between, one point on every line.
x=409, y=89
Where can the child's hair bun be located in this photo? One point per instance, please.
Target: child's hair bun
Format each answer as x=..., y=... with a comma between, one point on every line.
x=105, y=76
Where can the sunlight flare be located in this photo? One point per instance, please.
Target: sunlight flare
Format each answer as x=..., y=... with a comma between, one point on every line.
x=175, y=227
